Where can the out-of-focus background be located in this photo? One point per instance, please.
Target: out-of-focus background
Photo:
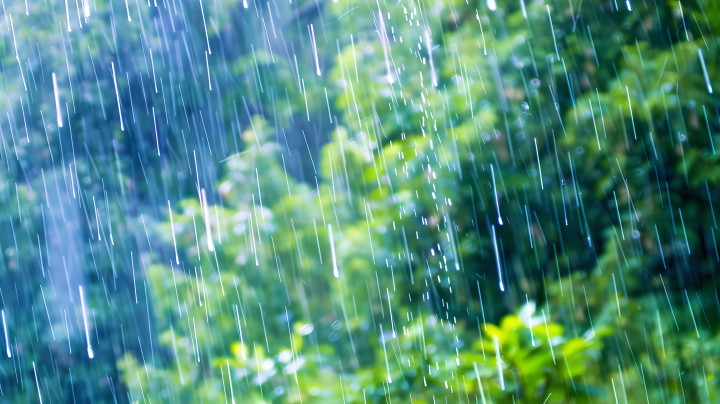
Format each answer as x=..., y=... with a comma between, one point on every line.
x=220, y=201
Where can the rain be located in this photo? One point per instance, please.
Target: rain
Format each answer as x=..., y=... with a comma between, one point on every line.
x=525, y=189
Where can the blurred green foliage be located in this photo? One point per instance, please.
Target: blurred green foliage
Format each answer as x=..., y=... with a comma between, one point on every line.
x=628, y=109
x=594, y=142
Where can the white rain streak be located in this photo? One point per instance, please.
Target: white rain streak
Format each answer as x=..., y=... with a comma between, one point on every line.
x=58, y=111
x=336, y=271
x=90, y=352
x=7, y=339
x=117, y=95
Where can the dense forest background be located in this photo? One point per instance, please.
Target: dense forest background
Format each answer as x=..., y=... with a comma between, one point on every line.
x=341, y=201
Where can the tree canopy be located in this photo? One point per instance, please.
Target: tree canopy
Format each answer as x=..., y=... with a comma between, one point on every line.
x=334, y=202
